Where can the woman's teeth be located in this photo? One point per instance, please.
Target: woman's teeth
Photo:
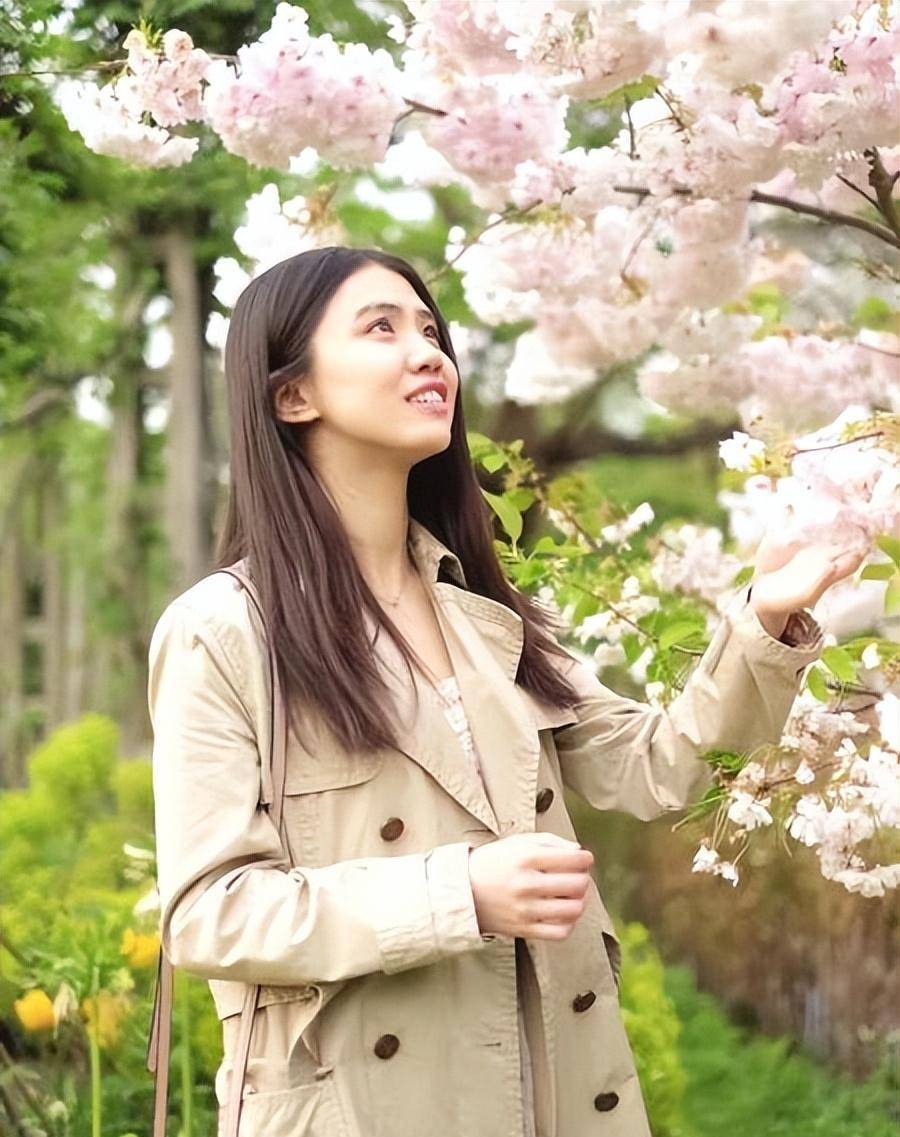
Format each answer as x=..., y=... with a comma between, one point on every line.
x=428, y=397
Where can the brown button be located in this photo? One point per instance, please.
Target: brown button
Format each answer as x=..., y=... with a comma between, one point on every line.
x=392, y=828
x=543, y=800
x=582, y=1002
x=387, y=1046
x=603, y=1102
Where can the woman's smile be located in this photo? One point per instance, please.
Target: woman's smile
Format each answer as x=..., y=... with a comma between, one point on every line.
x=431, y=398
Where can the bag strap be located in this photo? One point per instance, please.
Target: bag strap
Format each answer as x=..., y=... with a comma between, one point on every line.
x=158, y=1049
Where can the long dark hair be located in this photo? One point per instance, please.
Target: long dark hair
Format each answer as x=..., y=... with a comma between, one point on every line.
x=281, y=521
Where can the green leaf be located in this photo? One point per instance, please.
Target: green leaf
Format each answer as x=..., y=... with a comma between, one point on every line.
x=728, y=760
x=510, y=518
x=892, y=599
x=815, y=682
x=874, y=312
x=880, y=571
x=485, y=451
x=675, y=633
x=521, y=497
x=494, y=462
x=839, y=663
x=889, y=545
x=586, y=606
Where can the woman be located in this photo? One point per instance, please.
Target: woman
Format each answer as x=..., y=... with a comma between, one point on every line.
x=433, y=952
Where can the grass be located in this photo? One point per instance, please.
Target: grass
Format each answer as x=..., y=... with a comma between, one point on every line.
x=742, y=1084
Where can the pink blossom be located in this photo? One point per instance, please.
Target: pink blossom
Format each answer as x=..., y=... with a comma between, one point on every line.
x=494, y=123
x=291, y=91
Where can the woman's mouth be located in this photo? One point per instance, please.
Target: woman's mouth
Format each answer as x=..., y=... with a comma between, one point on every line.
x=429, y=403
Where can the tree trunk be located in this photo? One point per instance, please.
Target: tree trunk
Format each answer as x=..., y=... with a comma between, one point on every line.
x=187, y=465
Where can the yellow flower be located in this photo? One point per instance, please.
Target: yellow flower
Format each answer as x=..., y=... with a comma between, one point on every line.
x=35, y=1010
x=142, y=950
x=104, y=1014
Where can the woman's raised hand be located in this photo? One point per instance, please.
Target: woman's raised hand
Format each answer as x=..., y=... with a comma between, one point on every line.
x=530, y=884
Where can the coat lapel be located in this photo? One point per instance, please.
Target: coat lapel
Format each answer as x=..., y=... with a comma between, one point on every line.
x=484, y=641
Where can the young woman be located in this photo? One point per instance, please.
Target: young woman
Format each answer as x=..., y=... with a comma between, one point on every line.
x=433, y=952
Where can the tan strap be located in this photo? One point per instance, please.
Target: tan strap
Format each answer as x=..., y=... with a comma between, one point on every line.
x=159, y=1046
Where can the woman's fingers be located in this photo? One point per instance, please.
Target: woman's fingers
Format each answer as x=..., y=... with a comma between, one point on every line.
x=562, y=884
x=559, y=911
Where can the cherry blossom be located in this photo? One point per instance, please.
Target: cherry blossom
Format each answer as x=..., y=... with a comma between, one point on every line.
x=619, y=533
x=291, y=90
x=747, y=811
x=692, y=560
x=107, y=127
x=167, y=86
x=739, y=451
x=706, y=859
x=492, y=124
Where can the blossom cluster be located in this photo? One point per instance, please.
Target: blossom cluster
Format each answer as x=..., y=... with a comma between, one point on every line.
x=291, y=90
x=861, y=797
x=166, y=85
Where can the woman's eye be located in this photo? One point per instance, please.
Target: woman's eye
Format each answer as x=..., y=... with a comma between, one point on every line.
x=384, y=320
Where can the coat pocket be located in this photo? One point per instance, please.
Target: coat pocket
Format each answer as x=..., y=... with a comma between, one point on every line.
x=287, y=1087
x=302, y=1111
x=329, y=800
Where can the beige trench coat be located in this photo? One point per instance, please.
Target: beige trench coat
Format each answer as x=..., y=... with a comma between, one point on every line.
x=384, y=1010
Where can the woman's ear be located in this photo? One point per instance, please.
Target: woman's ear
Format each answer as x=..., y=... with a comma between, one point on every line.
x=292, y=403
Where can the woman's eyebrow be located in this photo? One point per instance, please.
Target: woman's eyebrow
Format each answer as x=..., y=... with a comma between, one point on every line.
x=394, y=309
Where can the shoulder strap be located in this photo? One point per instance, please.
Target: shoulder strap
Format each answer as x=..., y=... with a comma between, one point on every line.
x=159, y=1046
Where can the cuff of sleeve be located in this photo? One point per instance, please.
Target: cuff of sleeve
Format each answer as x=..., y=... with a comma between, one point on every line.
x=403, y=923
x=426, y=909
x=452, y=900
x=802, y=626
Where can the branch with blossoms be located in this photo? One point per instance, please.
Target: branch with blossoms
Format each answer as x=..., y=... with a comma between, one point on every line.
x=643, y=602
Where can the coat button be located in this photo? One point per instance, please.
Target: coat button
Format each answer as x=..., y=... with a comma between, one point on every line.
x=582, y=1002
x=604, y=1102
x=392, y=828
x=543, y=800
x=387, y=1046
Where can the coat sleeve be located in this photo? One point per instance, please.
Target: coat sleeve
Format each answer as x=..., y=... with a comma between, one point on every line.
x=625, y=755
x=231, y=905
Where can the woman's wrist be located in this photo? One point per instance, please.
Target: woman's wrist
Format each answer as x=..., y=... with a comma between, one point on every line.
x=774, y=623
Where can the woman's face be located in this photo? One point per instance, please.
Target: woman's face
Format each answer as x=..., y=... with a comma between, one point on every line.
x=375, y=345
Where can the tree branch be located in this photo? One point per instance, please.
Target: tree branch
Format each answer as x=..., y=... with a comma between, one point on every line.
x=831, y=215
x=883, y=184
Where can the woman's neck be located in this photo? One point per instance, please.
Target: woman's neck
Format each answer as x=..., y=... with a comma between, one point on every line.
x=371, y=503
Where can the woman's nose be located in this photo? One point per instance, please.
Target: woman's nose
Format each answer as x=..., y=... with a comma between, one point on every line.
x=423, y=356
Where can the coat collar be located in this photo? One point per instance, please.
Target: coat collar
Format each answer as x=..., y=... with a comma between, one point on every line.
x=430, y=553
x=484, y=640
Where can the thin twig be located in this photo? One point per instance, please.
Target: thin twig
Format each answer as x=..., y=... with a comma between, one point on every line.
x=835, y=445
x=632, y=153
x=883, y=184
x=880, y=350
x=508, y=214
x=831, y=215
x=852, y=185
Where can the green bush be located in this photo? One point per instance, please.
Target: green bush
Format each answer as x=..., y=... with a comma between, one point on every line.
x=69, y=888
x=743, y=1085
x=653, y=1029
